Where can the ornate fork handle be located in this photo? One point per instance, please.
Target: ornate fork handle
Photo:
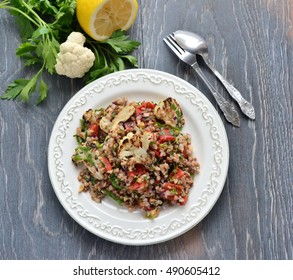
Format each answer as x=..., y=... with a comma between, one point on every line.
x=228, y=109
x=244, y=105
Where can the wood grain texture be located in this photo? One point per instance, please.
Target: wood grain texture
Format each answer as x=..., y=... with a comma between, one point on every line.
x=250, y=43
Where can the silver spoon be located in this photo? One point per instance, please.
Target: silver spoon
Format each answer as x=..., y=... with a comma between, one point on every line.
x=195, y=44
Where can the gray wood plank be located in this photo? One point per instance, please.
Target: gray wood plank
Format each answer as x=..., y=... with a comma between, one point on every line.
x=251, y=43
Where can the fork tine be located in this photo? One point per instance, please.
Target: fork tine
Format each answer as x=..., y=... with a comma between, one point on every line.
x=172, y=37
x=173, y=45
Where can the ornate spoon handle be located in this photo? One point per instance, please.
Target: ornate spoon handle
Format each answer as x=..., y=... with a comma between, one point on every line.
x=244, y=105
x=227, y=108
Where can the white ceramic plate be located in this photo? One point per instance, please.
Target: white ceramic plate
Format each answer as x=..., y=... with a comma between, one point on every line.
x=109, y=220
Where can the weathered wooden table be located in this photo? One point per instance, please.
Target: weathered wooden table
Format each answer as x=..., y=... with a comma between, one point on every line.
x=251, y=43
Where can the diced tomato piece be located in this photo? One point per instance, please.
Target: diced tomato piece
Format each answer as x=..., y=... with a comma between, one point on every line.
x=147, y=104
x=170, y=197
x=135, y=186
x=166, y=138
x=143, y=106
x=93, y=129
x=106, y=163
x=185, y=154
x=150, y=105
x=138, y=111
x=179, y=173
x=131, y=174
x=172, y=186
x=138, y=170
x=157, y=153
x=166, y=131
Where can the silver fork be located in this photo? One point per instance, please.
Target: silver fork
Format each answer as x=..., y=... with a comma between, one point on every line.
x=227, y=108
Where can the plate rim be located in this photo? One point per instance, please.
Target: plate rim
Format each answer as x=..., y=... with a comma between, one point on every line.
x=161, y=76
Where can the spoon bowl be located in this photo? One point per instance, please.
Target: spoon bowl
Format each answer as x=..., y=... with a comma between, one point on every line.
x=191, y=42
x=195, y=44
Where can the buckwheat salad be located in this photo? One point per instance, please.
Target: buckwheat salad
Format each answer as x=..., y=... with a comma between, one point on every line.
x=136, y=154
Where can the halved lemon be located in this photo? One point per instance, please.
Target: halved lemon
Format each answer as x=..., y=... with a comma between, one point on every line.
x=100, y=18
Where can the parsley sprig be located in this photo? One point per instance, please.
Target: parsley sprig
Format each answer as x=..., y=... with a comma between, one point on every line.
x=111, y=55
x=43, y=26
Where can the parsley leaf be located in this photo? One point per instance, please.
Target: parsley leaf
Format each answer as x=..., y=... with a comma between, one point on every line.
x=50, y=49
x=25, y=48
x=43, y=91
x=14, y=89
x=120, y=43
x=28, y=89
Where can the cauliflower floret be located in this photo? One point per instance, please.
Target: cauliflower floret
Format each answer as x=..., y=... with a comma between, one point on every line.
x=122, y=116
x=169, y=111
x=73, y=59
x=135, y=146
x=76, y=37
x=105, y=124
